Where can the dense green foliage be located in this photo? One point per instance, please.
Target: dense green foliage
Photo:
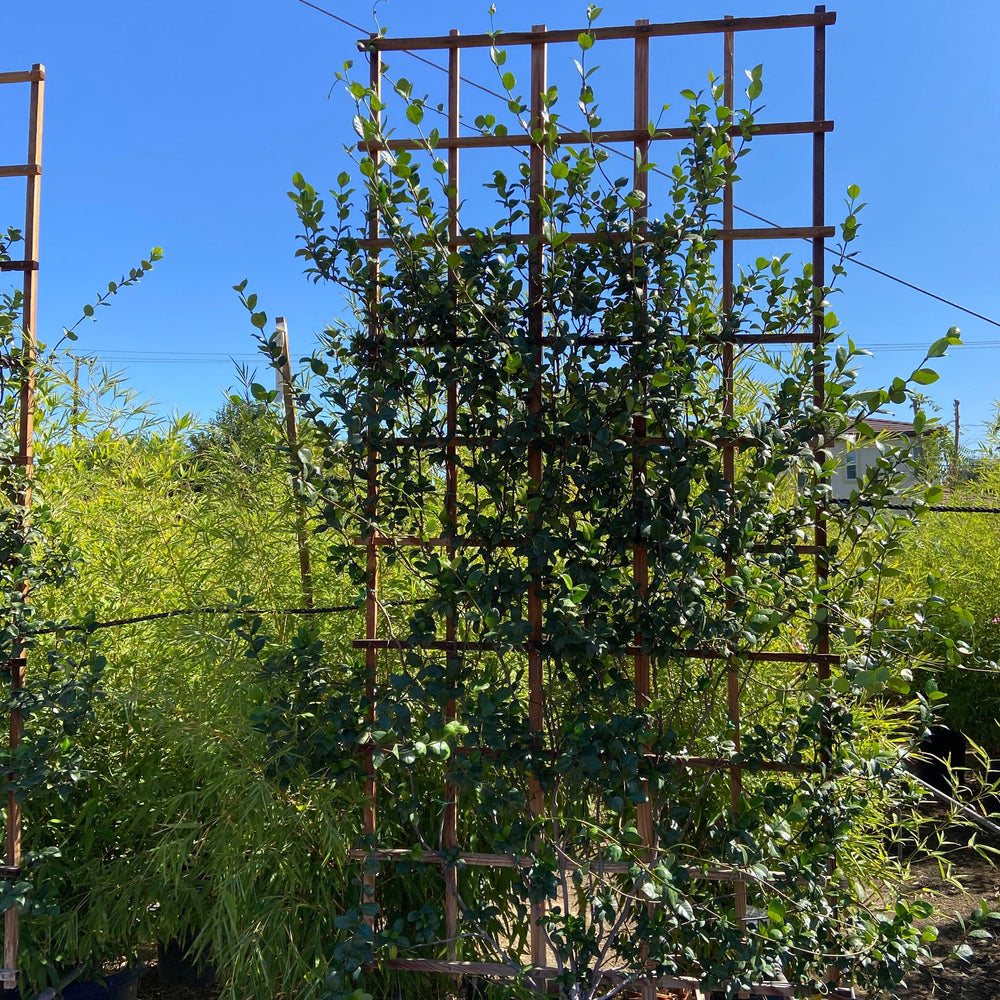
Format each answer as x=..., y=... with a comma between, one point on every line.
x=178, y=830
x=958, y=554
x=632, y=336
x=149, y=810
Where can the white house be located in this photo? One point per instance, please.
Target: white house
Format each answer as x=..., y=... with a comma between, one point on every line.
x=854, y=460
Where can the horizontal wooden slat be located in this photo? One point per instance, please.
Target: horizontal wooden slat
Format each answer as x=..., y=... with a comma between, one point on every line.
x=717, y=235
x=598, y=138
x=475, y=860
x=18, y=265
x=441, y=441
x=503, y=971
x=21, y=170
x=508, y=38
x=458, y=542
x=676, y=760
x=494, y=969
x=625, y=342
x=23, y=76
x=10, y=873
x=754, y=656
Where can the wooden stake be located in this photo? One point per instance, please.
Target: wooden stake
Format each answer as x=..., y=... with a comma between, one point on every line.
x=74, y=429
x=954, y=461
x=292, y=438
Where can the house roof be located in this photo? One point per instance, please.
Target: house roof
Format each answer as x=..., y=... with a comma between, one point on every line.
x=893, y=426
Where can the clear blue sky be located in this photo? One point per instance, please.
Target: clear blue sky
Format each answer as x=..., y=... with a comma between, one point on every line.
x=180, y=124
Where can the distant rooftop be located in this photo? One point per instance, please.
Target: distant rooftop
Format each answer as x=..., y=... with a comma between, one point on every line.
x=893, y=426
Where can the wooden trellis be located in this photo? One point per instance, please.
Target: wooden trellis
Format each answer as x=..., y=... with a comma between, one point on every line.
x=31, y=171
x=643, y=36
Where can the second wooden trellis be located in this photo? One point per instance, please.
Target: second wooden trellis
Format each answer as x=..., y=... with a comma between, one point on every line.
x=31, y=173
x=538, y=41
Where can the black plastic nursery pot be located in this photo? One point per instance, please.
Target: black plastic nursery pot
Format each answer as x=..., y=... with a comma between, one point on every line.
x=176, y=967
x=122, y=985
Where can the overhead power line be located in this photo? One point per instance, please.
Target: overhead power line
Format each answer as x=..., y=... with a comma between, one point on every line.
x=745, y=211
x=886, y=274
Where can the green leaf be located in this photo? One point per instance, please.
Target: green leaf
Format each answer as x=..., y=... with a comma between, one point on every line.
x=924, y=376
x=585, y=41
x=508, y=80
x=853, y=191
x=415, y=113
x=560, y=170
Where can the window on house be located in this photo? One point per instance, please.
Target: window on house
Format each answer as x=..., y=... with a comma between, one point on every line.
x=851, y=467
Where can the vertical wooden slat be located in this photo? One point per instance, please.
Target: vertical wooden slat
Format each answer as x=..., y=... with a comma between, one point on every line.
x=25, y=458
x=451, y=504
x=536, y=692
x=819, y=282
x=640, y=563
x=371, y=506
x=729, y=453
x=292, y=437
x=819, y=384
x=640, y=553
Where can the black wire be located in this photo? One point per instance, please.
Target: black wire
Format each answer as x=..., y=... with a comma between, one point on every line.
x=939, y=508
x=236, y=610
x=224, y=610
x=414, y=55
x=336, y=17
x=885, y=274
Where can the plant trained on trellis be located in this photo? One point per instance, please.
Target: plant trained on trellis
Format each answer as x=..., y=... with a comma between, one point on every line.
x=600, y=487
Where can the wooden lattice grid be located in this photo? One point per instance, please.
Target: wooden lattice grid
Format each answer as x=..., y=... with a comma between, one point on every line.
x=538, y=40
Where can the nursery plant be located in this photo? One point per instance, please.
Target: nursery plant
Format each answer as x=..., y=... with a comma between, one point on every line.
x=149, y=811
x=633, y=330
x=180, y=833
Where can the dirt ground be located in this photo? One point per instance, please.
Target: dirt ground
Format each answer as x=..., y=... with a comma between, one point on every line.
x=976, y=977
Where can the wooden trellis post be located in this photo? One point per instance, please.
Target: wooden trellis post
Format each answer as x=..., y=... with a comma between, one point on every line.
x=31, y=171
